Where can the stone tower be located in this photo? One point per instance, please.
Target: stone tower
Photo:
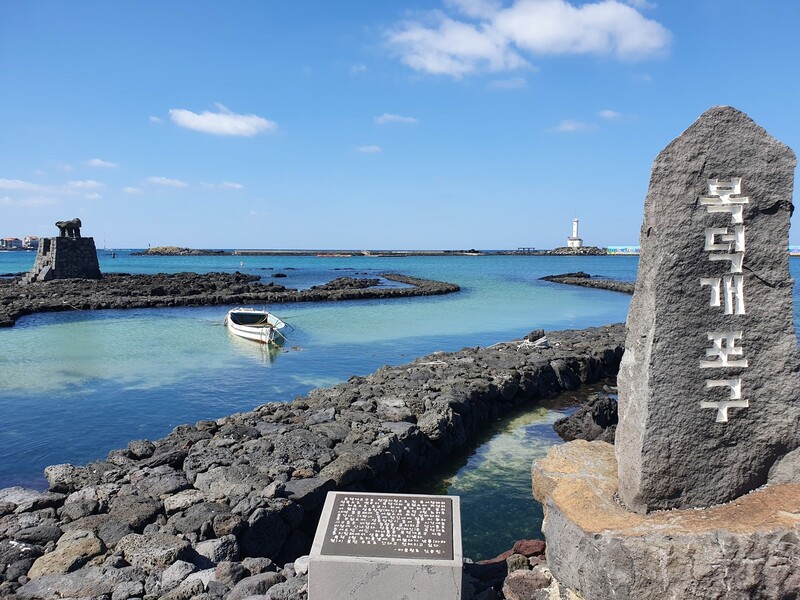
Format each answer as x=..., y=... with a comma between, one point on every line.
x=68, y=256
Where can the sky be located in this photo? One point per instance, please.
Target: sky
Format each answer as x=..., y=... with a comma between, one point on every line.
x=361, y=124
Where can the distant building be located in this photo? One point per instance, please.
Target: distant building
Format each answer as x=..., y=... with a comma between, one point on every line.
x=30, y=242
x=794, y=250
x=622, y=250
x=574, y=241
x=10, y=243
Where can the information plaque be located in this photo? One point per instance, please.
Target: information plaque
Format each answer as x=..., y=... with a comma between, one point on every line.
x=387, y=546
x=390, y=526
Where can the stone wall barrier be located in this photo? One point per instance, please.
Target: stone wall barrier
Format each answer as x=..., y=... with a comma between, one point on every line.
x=248, y=488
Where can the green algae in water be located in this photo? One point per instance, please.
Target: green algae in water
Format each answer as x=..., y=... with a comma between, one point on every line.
x=493, y=476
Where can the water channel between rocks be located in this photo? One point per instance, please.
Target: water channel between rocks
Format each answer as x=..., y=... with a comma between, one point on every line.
x=492, y=475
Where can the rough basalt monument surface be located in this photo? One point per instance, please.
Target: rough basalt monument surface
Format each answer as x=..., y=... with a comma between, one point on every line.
x=709, y=389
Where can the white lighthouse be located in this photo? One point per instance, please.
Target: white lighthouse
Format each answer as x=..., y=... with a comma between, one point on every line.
x=574, y=241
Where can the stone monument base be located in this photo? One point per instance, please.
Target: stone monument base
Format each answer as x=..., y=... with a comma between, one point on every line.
x=746, y=548
x=65, y=258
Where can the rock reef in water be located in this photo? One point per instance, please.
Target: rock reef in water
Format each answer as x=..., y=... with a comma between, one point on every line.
x=582, y=251
x=594, y=420
x=583, y=279
x=179, y=251
x=219, y=507
x=192, y=289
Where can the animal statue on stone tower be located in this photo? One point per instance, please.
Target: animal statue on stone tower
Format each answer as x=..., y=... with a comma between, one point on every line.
x=71, y=228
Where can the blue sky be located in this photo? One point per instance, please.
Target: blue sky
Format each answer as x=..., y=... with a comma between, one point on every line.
x=448, y=124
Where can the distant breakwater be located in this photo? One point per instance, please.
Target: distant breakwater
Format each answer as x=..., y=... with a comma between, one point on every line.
x=180, y=251
x=214, y=506
x=123, y=291
x=561, y=251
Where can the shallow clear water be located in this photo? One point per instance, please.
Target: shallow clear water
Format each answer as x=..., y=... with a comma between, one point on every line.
x=75, y=385
x=492, y=477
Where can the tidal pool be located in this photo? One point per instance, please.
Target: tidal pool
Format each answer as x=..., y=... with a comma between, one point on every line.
x=492, y=476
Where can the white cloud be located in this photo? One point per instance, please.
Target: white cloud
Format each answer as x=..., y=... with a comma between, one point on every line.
x=167, y=182
x=223, y=122
x=86, y=184
x=154, y=119
x=27, y=193
x=132, y=190
x=38, y=201
x=358, y=69
x=389, y=118
x=571, y=126
x=605, y=27
x=453, y=48
x=609, y=115
x=65, y=167
x=497, y=37
x=20, y=185
x=100, y=163
x=225, y=185
x=28, y=202
x=369, y=149
x=88, y=187
x=513, y=83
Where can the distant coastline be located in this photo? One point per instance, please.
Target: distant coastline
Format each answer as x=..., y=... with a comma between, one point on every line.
x=183, y=251
x=794, y=251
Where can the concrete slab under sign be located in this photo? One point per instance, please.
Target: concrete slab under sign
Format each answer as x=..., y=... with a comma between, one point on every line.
x=403, y=546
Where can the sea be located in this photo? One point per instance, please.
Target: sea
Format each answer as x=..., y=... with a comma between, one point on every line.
x=75, y=385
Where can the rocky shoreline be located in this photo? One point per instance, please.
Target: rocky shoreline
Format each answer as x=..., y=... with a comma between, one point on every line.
x=192, y=289
x=226, y=509
x=583, y=279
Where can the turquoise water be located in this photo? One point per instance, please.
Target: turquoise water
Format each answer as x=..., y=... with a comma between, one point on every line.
x=492, y=477
x=75, y=385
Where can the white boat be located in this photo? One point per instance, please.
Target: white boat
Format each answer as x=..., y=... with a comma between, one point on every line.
x=254, y=324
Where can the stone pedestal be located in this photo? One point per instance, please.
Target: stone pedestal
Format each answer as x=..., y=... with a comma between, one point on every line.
x=387, y=546
x=746, y=549
x=65, y=258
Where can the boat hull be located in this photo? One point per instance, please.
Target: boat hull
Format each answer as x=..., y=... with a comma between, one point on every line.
x=256, y=325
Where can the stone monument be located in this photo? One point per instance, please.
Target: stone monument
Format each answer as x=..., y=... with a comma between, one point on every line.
x=700, y=495
x=68, y=256
x=403, y=546
x=709, y=385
